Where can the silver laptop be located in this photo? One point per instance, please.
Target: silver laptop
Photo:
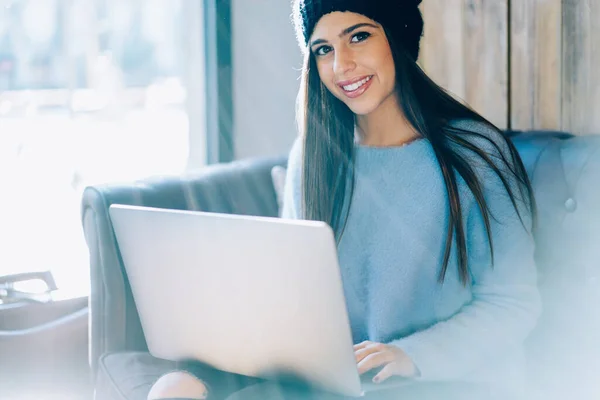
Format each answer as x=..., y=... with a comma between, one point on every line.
x=254, y=296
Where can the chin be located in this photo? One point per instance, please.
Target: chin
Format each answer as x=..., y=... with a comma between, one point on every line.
x=362, y=109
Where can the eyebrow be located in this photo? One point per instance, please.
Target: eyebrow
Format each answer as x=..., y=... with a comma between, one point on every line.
x=345, y=32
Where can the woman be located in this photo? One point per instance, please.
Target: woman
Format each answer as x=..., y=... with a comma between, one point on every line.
x=430, y=203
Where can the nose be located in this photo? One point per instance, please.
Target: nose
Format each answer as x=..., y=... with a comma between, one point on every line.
x=344, y=62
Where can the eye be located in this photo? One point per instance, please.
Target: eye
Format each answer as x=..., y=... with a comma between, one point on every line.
x=323, y=50
x=360, y=37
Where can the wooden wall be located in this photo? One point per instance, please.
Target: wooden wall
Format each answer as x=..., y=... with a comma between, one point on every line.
x=523, y=64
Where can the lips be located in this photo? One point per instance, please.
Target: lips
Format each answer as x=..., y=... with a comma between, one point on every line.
x=354, y=88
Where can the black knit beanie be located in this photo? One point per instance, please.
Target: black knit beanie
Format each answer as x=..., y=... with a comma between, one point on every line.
x=401, y=18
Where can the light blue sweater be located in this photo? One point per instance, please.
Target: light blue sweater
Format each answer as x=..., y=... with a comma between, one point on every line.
x=391, y=254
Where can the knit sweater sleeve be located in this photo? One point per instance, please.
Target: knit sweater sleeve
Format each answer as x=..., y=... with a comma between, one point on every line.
x=505, y=300
x=292, y=200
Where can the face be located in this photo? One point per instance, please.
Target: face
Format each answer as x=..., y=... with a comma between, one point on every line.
x=354, y=60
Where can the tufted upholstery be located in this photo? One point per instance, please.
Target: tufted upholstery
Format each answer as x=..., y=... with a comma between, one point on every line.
x=565, y=174
x=565, y=348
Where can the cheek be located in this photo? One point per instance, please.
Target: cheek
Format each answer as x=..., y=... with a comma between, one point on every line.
x=389, y=70
x=382, y=61
x=391, y=76
x=327, y=76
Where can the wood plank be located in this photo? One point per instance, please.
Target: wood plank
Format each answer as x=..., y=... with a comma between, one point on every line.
x=442, y=44
x=465, y=50
x=581, y=71
x=486, y=58
x=536, y=61
x=594, y=103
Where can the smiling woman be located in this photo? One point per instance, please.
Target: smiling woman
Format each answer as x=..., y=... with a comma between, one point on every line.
x=434, y=239
x=430, y=204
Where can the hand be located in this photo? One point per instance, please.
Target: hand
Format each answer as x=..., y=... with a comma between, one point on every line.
x=395, y=362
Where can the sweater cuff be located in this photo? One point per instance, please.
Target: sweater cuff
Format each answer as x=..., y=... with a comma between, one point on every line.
x=425, y=357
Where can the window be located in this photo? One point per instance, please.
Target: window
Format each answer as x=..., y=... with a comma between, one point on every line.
x=91, y=91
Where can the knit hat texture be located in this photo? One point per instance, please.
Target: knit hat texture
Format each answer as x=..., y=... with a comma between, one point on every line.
x=401, y=18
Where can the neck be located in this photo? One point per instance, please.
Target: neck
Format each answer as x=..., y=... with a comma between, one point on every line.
x=385, y=126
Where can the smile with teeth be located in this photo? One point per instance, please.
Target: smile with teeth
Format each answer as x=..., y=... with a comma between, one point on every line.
x=356, y=85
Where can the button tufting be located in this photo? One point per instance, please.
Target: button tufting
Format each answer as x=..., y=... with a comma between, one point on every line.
x=571, y=205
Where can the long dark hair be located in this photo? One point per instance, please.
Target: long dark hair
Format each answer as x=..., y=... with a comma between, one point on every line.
x=328, y=128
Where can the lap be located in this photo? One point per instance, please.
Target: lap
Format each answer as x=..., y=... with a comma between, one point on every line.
x=222, y=385
x=418, y=391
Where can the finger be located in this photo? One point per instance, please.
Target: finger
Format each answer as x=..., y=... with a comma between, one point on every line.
x=370, y=348
x=359, y=355
x=374, y=360
x=362, y=345
x=386, y=372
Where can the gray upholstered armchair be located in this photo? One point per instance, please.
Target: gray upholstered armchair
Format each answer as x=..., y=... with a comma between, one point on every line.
x=564, y=350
